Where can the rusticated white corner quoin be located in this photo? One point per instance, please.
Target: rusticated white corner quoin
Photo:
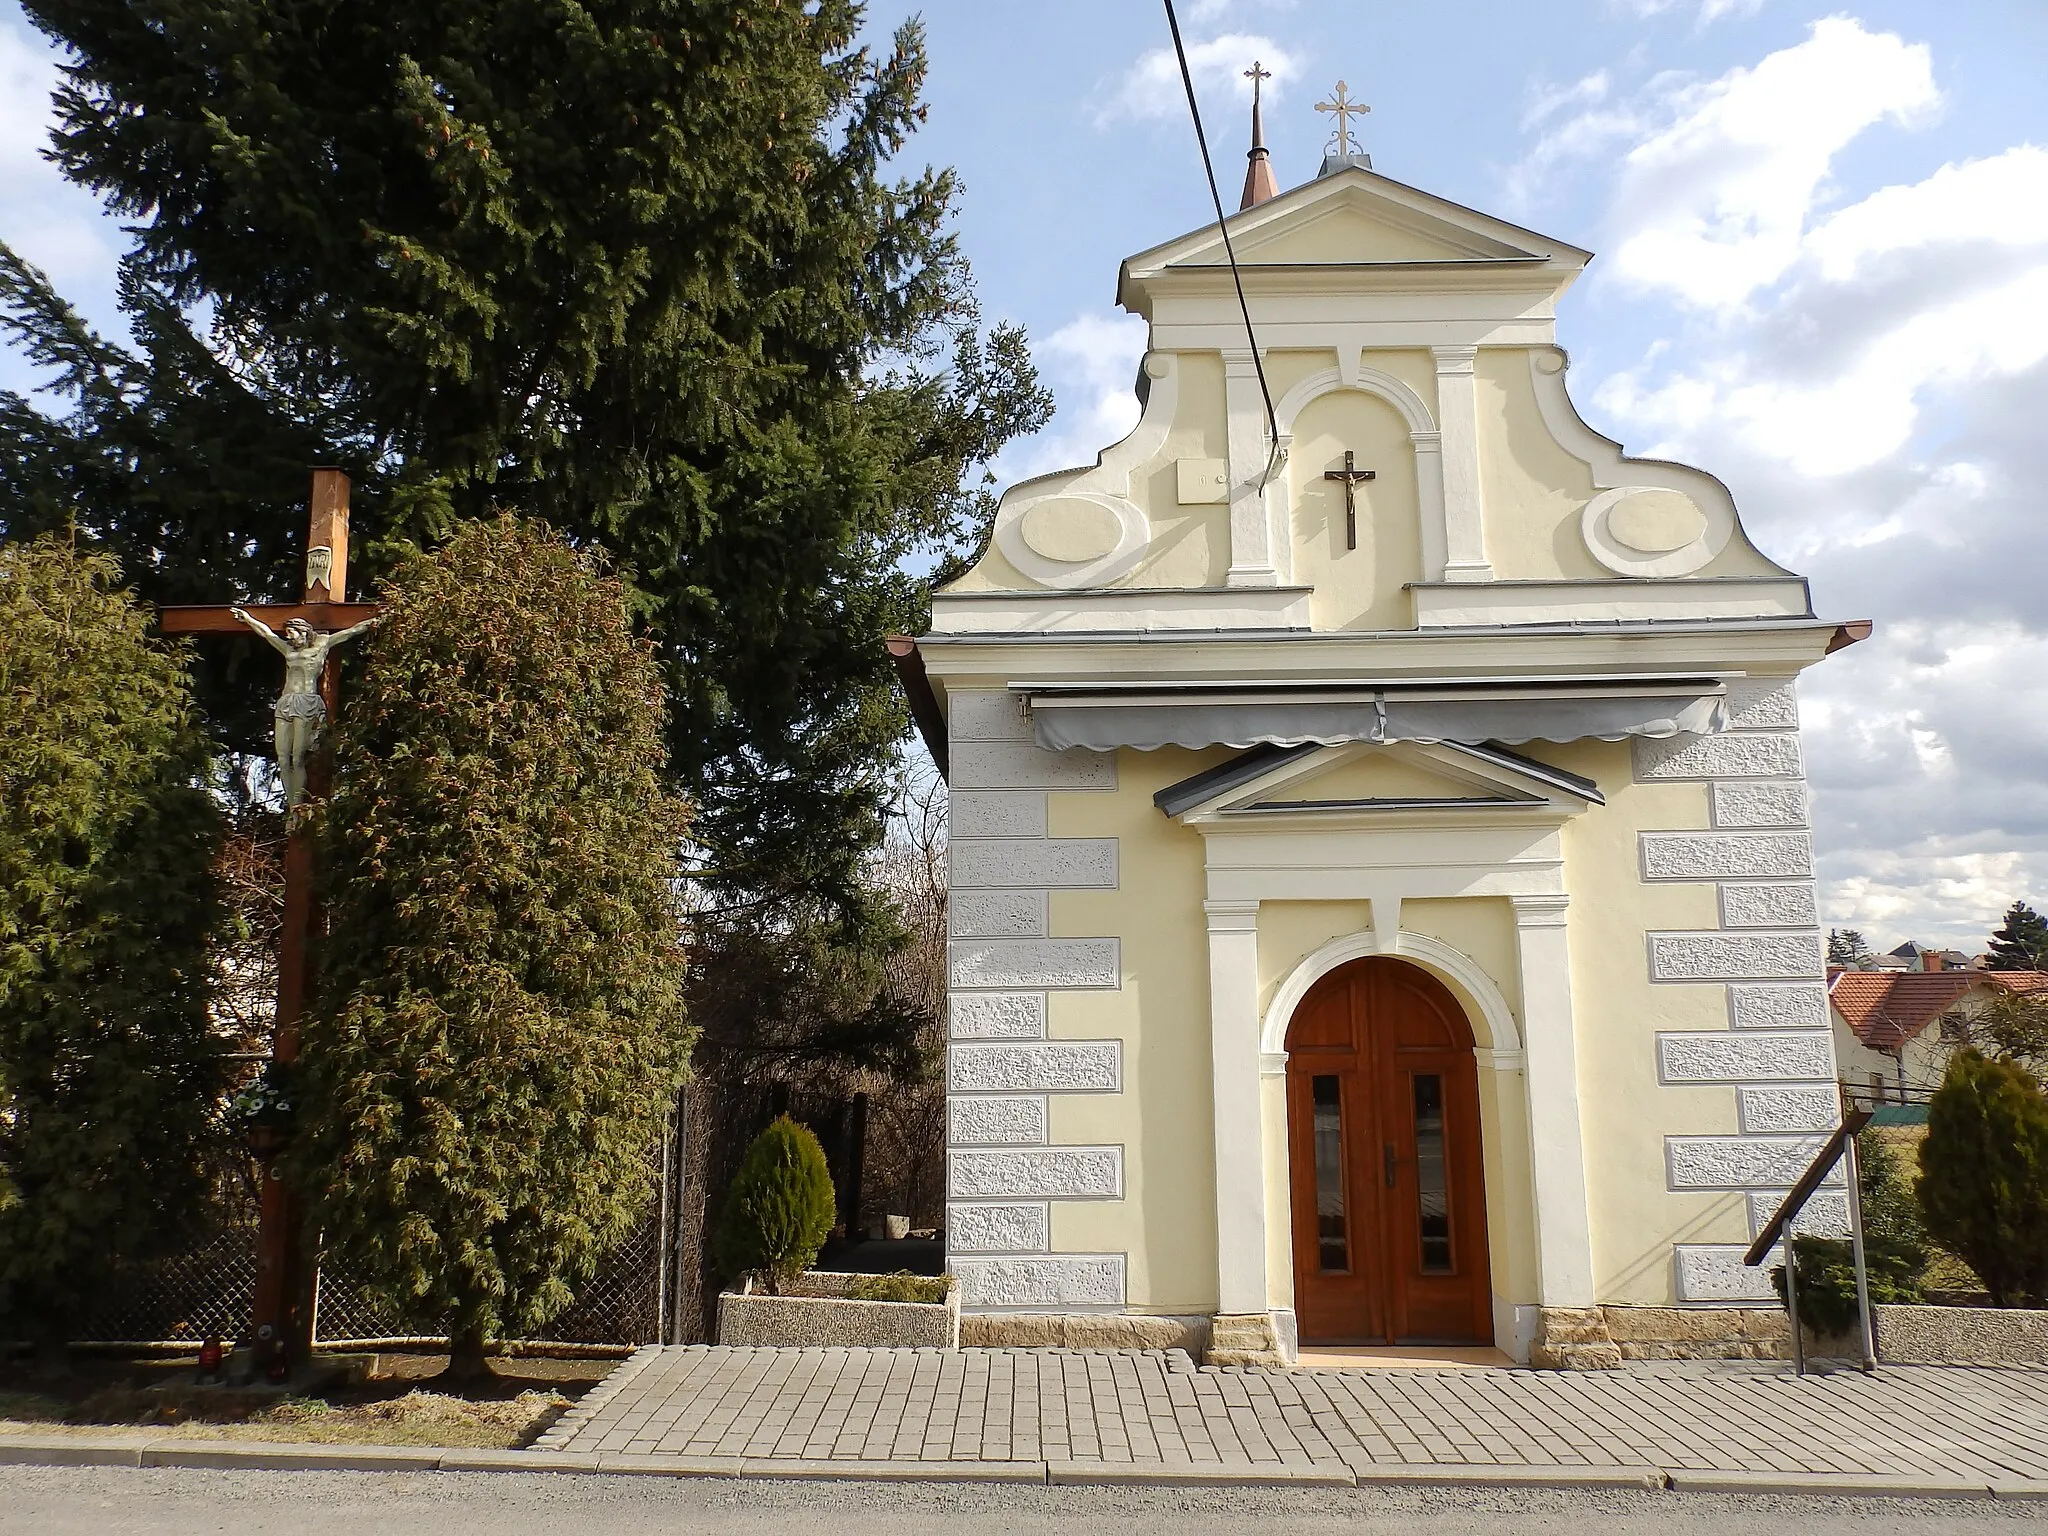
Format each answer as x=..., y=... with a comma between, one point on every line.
x=1776, y=1056
x=1005, y=964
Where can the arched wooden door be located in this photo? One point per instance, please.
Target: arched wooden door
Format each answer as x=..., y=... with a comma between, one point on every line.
x=1388, y=1192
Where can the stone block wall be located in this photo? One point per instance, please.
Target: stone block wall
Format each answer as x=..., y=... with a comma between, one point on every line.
x=1776, y=1057
x=1003, y=1174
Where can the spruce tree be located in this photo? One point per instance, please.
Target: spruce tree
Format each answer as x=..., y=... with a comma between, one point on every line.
x=499, y=1031
x=641, y=267
x=109, y=1074
x=1848, y=948
x=2021, y=942
x=1984, y=1175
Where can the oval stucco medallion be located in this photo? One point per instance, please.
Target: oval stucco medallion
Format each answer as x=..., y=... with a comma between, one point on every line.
x=1070, y=530
x=1656, y=521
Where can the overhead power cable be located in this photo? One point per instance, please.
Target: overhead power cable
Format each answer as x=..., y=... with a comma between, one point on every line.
x=1223, y=227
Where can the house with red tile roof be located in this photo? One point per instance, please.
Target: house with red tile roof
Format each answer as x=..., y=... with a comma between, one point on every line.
x=1894, y=1030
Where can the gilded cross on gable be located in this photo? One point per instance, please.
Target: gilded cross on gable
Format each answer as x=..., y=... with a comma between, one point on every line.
x=1353, y=477
x=1343, y=108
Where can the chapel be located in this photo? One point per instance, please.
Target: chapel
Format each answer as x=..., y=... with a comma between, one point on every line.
x=1381, y=898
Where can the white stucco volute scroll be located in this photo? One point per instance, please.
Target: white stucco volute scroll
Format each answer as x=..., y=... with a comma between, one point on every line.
x=1080, y=528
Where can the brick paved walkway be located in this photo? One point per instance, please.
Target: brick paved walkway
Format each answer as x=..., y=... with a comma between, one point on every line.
x=1157, y=1409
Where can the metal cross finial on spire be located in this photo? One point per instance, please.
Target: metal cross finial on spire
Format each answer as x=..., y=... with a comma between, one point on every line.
x=1343, y=108
x=1259, y=184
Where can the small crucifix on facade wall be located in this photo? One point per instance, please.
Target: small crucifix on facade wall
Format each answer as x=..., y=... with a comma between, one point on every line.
x=1352, y=477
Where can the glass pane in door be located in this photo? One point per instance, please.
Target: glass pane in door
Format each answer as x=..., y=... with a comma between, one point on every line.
x=1333, y=1245
x=1432, y=1186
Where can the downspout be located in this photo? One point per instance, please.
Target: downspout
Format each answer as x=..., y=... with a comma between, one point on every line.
x=924, y=704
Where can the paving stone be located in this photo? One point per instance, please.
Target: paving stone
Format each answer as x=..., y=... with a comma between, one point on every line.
x=1143, y=1410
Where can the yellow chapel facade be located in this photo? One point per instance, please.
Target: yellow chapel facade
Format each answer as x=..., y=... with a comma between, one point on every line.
x=1381, y=909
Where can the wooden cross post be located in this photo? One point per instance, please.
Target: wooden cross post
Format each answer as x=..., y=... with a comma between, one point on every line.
x=283, y=1321
x=1353, y=478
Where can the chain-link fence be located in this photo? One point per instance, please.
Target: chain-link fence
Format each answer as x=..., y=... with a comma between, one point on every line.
x=210, y=1289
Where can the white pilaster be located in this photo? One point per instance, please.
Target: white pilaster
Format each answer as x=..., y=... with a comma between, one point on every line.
x=1429, y=493
x=1234, y=1061
x=1564, y=1239
x=1457, y=409
x=1251, y=534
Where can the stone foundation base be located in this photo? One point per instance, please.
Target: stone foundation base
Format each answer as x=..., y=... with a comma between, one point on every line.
x=1083, y=1330
x=1252, y=1339
x=1245, y=1339
x=1601, y=1338
x=1572, y=1339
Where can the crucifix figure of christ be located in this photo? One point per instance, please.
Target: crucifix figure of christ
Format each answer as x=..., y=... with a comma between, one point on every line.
x=306, y=633
x=1343, y=108
x=1353, y=477
x=300, y=710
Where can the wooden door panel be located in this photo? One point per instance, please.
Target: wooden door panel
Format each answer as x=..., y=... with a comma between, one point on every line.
x=1388, y=1195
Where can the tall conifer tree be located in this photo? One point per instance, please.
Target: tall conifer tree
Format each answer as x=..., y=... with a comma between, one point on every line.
x=640, y=267
x=109, y=1072
x=2021, y=942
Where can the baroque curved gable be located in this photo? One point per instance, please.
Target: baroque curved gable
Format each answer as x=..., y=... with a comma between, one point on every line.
x=1419, y=337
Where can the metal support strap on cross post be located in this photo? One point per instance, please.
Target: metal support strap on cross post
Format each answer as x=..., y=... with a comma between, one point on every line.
x=1840, y=1147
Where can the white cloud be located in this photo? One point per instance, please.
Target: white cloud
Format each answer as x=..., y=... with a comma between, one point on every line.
x=1091, y=365
x=1209, y=10
x=2001, y=200
x=1867, y=366
x=1710, y=11
x=1152, y=86
x=1548, y=100
x=1714, y=205
x=1907, y=294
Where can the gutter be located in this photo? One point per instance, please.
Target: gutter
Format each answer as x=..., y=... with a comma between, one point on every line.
x=924, y=704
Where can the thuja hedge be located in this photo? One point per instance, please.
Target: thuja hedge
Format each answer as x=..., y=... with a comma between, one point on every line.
x=499, y=1029
x=109, y=1072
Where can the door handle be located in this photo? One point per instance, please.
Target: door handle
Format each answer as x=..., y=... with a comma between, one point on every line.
x=1391, y=1160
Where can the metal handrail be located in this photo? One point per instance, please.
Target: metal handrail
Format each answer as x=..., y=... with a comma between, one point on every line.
x=1839, y=1147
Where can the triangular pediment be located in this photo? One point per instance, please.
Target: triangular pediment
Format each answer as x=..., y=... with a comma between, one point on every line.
x=1358, y=217
x=1365, y=778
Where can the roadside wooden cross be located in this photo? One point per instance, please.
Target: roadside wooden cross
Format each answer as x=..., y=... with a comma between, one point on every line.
x=306, y=632
x=1352, y=477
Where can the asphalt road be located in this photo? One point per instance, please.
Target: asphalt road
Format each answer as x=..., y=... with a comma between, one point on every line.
x=102, y=1501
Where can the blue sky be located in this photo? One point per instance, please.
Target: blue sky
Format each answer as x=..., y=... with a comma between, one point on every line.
x=1822, y=273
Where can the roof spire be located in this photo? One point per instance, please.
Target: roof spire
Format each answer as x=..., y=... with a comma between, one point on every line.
x=1259, y=184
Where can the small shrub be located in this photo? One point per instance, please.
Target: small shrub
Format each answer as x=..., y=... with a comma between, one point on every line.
x=780, y=1207
x=901, y=1286
x=1984, y=1175
x=1894, y=1248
